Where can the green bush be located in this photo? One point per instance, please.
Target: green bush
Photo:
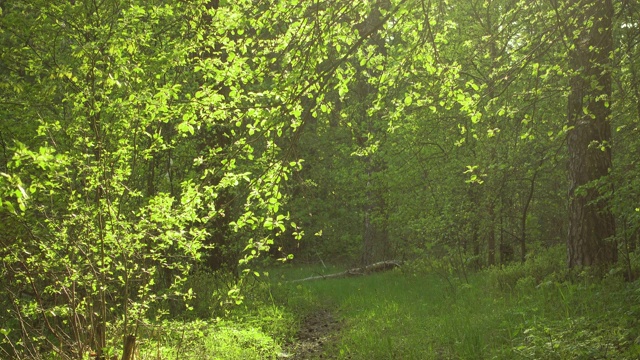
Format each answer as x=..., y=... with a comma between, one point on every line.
x=541, y=265
x=206, y=340
x=210, y=293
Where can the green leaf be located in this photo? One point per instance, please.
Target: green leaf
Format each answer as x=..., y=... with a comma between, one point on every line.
x=408, y=100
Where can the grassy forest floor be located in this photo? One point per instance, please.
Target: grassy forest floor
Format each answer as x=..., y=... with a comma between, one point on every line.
x=418, y=316
x=528, y=311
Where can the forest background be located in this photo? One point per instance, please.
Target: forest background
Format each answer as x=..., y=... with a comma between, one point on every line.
x=145, y=144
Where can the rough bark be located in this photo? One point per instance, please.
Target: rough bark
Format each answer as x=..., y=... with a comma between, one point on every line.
x=591, y=223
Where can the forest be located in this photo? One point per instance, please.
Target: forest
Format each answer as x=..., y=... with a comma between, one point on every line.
x=307, y=179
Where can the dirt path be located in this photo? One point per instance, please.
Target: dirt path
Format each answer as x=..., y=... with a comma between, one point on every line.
x=317, y=330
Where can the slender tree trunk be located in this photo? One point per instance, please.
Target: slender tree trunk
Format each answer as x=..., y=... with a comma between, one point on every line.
x=523, y=219
x=591, y=223
x=374, y=235
x=368, y=234
x=493, y=151
x=491, y=241
x=632, y=240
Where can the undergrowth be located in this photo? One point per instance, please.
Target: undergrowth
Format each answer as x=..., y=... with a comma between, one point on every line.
x=535, y=310
x=199, y=339
x=217, y=325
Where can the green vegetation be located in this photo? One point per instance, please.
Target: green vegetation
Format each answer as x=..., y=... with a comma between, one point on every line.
x=198, y=339
x=498, y=314
x=159, y=158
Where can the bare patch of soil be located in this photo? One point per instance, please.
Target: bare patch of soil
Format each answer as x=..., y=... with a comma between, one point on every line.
x=317, y=330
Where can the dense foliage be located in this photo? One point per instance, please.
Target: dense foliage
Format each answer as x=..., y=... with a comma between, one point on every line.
x=155, y=151
x=456, y=145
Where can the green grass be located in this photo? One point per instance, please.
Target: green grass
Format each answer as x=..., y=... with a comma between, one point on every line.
x=524, y=311
x=403, y=316
x=256, y=329
x=392, y=316
x=206, y=340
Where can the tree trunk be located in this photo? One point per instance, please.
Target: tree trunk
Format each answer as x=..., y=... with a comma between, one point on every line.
x=491, y=237
x=373, y=235
x=525, y=212
x=591, y=223
x=129, y=347
x=368, y=234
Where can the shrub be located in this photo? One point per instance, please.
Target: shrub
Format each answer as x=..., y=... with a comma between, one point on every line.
x=206, y=340
x=545, y=264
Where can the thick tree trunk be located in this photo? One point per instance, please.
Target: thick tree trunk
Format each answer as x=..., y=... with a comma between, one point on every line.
x=591, y=223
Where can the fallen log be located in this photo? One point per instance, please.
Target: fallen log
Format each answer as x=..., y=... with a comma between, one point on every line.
x=373, y=268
